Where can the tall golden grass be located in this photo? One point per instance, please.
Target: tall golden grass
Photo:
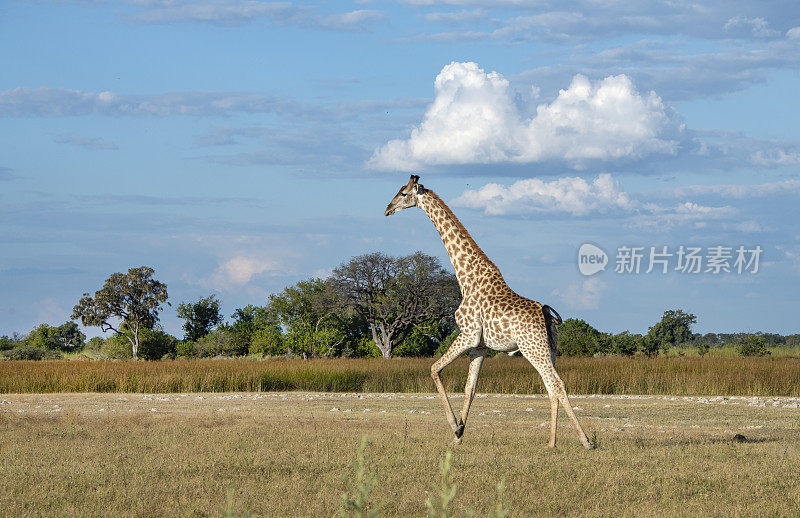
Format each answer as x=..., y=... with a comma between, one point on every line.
x=609, y=375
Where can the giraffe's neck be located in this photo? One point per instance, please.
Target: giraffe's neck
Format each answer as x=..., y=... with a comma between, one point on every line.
x=469, y=261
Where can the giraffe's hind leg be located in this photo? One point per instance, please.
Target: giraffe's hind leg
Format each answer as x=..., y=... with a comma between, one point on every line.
x=553, y=419
x=555, y=389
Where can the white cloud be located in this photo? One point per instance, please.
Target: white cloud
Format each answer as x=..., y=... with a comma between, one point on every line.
x=457, y=17
x=658, y=218
x=572, y=195
x=583, y=295
x=750, y=227
x=757, y=27
x=775, y=157
x=239, y=271
x=477, y=118
x=590, y=19
x=736, y=190
x=231, y=13
x=59, y=102
x=579, y=197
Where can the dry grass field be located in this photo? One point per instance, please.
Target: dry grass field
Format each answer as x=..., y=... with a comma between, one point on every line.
x=770, y=376
x=289, y=454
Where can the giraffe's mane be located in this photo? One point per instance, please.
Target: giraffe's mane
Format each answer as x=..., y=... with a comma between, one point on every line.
x=464, y=232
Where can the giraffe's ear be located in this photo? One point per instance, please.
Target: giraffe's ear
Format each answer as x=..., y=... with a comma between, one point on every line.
x=421, y=189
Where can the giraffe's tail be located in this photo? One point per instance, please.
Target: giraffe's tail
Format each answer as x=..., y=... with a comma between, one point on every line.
x=551, y=320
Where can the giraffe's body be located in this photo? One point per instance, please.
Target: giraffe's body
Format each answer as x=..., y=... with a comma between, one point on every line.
x=491, y=314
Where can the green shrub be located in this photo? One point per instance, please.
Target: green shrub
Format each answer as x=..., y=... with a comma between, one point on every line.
x=95, y=344
x=446, y=343
x=155, y=344
x=416, y=344
x=186, y=349
x=6, y=343
x=363, y=348
x=28, y=352
x=439, y=502
x=577, y=338
x=117, y=347
x=752, y=345
x=356, y=501
x=222, y=341
x=626, y=344
x=267, y=342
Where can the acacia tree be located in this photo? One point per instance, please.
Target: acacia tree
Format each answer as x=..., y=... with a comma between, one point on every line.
x=200, y=316
x=133, y=299
x=396, y=294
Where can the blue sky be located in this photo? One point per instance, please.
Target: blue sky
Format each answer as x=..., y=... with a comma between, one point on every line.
x=240, y=146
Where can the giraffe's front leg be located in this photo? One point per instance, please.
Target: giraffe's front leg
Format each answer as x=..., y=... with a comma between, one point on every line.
x=477, y=355
x=464, y=342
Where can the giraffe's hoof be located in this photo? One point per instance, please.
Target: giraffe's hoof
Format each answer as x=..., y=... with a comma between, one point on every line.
x=456, y=441
x=459, y=432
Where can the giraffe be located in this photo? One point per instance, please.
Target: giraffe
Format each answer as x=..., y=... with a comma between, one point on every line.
x=491, y=315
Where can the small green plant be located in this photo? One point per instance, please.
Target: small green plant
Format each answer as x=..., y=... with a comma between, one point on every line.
x=229, y=512
x=594, y=440
x=501, y=507
x=355, y=502
x=439, y=502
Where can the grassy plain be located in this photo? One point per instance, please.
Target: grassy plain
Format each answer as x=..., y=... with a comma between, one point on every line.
x=769, y=376
x=288, y=454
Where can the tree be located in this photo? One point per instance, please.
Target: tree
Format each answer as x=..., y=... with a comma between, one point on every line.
x=200, y=317
x=133, y=299
x=313, y=318
x=67, y=336
x=674, y=328
x=578, y=338
x=626, y=344
x=395, y=295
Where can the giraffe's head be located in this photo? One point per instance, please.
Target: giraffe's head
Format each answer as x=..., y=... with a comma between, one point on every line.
x=406, y=197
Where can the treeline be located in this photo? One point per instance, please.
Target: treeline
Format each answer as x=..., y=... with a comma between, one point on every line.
x=371, y=306
x=671, y=335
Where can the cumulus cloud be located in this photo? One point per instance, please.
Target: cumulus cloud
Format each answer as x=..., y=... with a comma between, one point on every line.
x=239, y=271
x=582, y=295
x=575, y=196
x=477, y=118
x=579, y=197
